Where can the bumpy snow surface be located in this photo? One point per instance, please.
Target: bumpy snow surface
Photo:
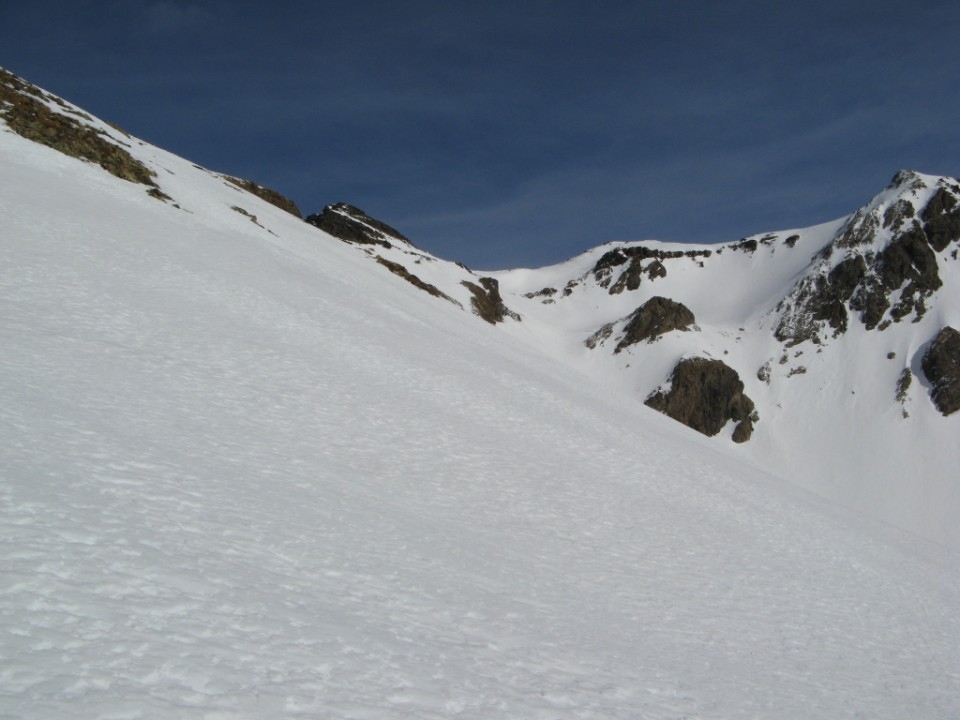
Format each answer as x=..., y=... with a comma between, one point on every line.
x=247, y=473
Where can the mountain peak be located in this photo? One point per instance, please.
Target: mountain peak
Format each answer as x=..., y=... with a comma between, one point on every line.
x=353, y=225
x=907, y=179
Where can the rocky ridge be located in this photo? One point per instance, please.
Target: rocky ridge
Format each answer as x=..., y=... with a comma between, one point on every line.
x=396, y=253
x=882, y=266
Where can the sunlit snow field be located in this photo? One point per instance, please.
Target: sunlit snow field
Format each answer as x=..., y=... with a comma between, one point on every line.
x=245, y=474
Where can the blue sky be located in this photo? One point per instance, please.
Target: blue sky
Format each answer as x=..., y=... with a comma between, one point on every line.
x=506, y=134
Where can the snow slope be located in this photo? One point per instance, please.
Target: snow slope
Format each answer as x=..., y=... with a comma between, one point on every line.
x=247, y=473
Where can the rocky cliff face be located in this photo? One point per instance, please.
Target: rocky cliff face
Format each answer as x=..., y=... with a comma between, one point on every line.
x=941, y=365
x=882, y=266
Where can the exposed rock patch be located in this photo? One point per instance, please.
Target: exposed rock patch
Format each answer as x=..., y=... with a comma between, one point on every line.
x=486, y=300
x=704, y=394
x=603, y=268
x=599, y=337
x=547, y=292
x=656, y=316
x=765, y=373
x=630, y=278
x=265, y=193
x=822, y=297
x=26, y=111
x=903, y=390
x=655, y=270
x=897, y=214
x=941, y=219
x=400, y=271
x=750, y=245
x=941, y=365
x=909, y=258
x=747, y=245
x=909, y=262
x=860, y=230
x=353, y=225
x=252, y=218
x=907, y=180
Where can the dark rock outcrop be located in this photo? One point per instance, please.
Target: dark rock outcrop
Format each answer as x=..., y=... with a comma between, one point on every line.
x=903, y=390
x=599, y=337
x=265, y=193
x=704, y=394
x=941, y=219
x=656, y=316
x=748, y=245
x=630, y=278
x=941, y=365
x=400, y=271
x=897, y=214
x=860, y=230
x=881, y=286
x=618, y=256
x=486, y=300
x=353, y=225
x=823, y=298
x=27, y=111
x=907, y=261
x=906, y=180
x=547, y=292
x=909, y=258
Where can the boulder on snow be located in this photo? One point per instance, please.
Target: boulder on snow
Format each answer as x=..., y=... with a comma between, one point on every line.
x=941, y=365
x=656, y=316
x=486, y=300
x=704, y=394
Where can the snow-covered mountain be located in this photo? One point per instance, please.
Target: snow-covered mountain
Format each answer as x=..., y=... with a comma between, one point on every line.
x=826, y=328
x=816, y=345
x=252, y=466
